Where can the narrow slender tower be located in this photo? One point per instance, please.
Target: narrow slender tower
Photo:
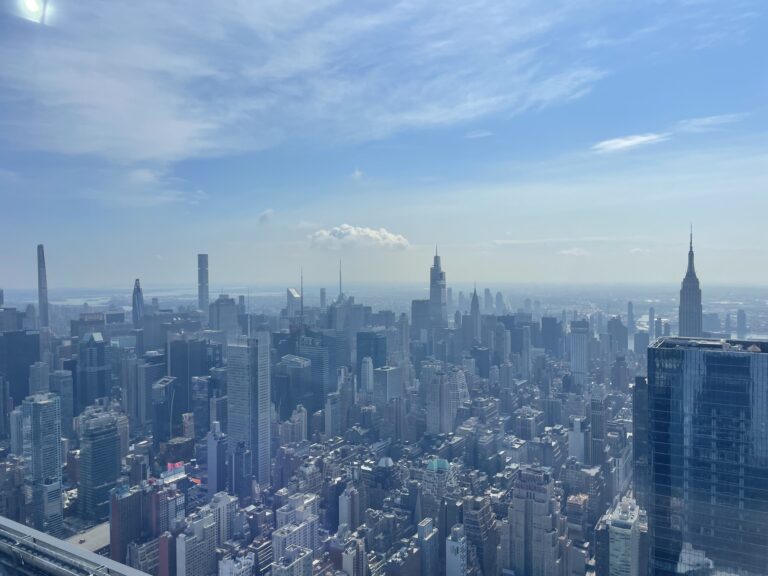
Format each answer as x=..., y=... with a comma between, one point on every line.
x=202, y=283
x=690, y=313
x=42, y=287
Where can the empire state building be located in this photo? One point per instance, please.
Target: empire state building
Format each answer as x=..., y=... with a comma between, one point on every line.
x=690, y=300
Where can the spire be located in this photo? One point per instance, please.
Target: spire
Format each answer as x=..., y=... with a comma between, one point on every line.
x=436, y=254
x=691, y=270
x=341, y=292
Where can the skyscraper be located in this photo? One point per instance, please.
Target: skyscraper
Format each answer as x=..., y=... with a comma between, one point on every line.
x=137, y=310
x=474, y=314
x=202, y=283
x=99, y=462
x=708, y=455
x=249, y=401
x=579, y=340
x=534, y=520
x=690, y=314
x=741, y=324
x=41, y=431
x=456, y=552
x=438, y=300
x=42, y=287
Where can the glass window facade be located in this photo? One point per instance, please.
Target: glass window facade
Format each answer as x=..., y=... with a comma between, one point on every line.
x=708, y=441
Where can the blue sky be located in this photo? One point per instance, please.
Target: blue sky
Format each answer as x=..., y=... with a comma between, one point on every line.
x=562, y=141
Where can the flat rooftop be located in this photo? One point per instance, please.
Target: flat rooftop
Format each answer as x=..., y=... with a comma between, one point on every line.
x=93, y=539
x=675, y=342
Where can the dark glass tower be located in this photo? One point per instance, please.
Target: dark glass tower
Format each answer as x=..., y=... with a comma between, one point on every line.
x=42, y=287
x=708, y=456
x=690, y=301
x=137, y=312
x=438, y=301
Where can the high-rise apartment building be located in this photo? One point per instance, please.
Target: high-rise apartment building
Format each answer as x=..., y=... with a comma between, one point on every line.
x=202, y=283
x=41, y=446
x=42, y=288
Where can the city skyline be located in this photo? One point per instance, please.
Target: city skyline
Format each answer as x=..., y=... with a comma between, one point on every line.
x=530, y=148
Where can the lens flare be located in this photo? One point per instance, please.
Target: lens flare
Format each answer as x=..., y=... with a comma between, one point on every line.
x=33, y=6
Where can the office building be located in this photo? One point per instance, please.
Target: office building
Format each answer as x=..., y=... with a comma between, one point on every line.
x=708, y=455
x=217, y=459
x=626, y=527
x=534, y=524
x=137, y=304
x=438, y=302
x=249, y=401
x=690, y=312
x=99, y=462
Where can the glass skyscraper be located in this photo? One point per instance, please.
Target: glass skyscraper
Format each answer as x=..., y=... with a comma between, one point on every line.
x=708, y=445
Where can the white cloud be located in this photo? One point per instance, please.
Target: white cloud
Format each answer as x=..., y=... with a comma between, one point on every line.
x=576, y=252
x=357, y=174
x=148, y=83
x=629, y=142
x=707, y=123
x=475, y=134
x=640, y=251
x=346, y=235
x=266, y=216
x=566, y=240
x=141, y=188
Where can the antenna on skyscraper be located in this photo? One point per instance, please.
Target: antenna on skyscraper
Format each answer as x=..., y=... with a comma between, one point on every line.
x=341, y=292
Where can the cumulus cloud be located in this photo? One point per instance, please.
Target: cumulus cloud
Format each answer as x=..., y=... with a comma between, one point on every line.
x=347, y=235
x=575, y=252
x=625, y=143
x=266, y=216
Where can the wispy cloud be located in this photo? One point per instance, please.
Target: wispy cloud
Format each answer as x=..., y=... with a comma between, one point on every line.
x=150, y=84
x=566, y=240
x=475, y=134
x=266, y=216
x=708, y=123
x=702, y=124
x=357, y=174
x=575, y=252
x=346, y=235
x=141, y=188
x=625, y=143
